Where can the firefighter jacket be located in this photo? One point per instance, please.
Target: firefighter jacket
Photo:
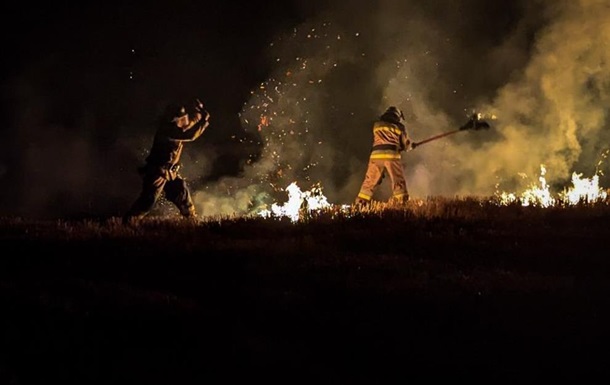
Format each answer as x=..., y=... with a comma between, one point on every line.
x=169, y=141
x=389, y=140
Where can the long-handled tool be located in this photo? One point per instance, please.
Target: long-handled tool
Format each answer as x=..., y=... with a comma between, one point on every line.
x=474, y=123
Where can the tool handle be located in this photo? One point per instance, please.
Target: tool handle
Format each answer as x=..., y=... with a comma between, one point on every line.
x=417, y=144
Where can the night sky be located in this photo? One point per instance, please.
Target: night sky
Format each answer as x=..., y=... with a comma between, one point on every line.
x=292, y=88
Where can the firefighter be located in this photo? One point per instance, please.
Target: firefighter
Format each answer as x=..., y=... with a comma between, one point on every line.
x=390, y=139
x=160, y=174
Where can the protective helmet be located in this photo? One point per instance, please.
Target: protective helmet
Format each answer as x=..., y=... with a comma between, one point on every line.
x=393, y=114
x=175, y=111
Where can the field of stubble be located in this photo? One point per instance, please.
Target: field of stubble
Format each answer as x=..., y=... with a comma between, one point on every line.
x=455, y=290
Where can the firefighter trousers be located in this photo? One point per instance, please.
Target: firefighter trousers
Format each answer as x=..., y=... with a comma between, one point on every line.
x=374, y=176
x=167, y=182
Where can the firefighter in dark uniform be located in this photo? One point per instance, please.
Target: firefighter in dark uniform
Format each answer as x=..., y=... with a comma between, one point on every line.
x=160, y=173
x=390, y=139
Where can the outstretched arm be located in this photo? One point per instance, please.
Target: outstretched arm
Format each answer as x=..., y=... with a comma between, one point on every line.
x=193, y=132
x=406, y=144
x=199, y=121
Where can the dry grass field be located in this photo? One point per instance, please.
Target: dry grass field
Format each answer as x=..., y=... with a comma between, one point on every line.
x=459, y=290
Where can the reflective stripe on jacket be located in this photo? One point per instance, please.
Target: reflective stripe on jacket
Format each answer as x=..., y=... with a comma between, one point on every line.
x=389, y=140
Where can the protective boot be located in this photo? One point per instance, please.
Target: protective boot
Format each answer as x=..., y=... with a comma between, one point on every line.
x=400, y=200
x=190, y=213
x=130, y=219
x=361, y=202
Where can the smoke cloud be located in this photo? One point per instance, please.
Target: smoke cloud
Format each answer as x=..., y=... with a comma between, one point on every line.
x=537, y=71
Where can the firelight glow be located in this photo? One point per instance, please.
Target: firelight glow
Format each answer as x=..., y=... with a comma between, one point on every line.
x=309, y=120
x=582, y=191
x=298, y=203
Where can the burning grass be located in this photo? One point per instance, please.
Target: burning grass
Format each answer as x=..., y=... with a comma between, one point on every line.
x=338, y=217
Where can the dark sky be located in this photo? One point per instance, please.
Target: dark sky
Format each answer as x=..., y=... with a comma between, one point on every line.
x=83, y=85
x=118, y=59
x=85, y=82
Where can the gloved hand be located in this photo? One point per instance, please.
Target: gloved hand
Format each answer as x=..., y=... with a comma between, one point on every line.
x=409, y=145
x=200, y=108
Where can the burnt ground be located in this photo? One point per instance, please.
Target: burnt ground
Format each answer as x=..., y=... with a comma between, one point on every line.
x=504, y=297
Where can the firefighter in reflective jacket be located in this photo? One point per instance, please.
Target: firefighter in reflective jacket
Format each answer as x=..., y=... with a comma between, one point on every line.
x=160, y=173
x=390, y=139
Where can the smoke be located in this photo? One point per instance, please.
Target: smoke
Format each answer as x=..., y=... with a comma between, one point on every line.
x=55, y=165
x=537, y=71
x=555, y=112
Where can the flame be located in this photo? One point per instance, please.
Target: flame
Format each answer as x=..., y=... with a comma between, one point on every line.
x=299, y=203
x=583, y=190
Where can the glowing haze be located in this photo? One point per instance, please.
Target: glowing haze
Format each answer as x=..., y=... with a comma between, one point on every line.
x=79, y=116
x=537, y=71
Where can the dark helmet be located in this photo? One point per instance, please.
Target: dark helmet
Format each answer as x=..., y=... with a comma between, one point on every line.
x=174, y=111
x=393, y=114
